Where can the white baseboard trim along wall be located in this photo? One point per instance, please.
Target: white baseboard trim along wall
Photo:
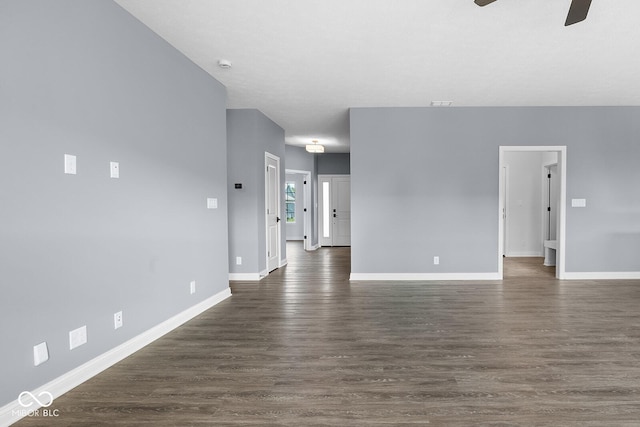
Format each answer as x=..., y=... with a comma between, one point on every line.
x=603, y=275
x=424, y=276
x=248, y=277
x=245, y=277
x=614, y=275
x=14, y=411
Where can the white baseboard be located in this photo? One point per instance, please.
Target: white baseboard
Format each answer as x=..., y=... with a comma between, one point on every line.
x=245, y=277
x=603, y=275
x=314, y=247
x=525, y=255
x=13, y=411
x=283, y=262
x=424, y=276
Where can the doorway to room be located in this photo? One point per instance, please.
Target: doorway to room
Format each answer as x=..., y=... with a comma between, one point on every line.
x=298, y=212
x=532, y=213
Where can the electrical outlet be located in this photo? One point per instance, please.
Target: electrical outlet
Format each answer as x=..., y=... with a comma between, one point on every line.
x=436, y=260
x=117, y=320
x=192, y=287
x=238, y=260
x=77, y=337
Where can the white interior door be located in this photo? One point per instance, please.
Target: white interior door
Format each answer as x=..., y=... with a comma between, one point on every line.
x=272, y=204
x=335, y=210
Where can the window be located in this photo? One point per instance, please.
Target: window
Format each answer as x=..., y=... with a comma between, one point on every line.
x=290, y=201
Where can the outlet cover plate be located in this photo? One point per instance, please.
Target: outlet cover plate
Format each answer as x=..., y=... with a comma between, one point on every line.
x=114, y=169
x=40, y=353
x=77, y=337
x=70, y=164
x=117, y=320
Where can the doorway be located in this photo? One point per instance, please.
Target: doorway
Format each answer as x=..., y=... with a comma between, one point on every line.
x=298, y=207
x=335, y=210
x=272, y=206
x=504, y=211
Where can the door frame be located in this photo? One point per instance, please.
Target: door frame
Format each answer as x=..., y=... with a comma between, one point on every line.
x=268, y=156
x=546, y=170
x=562, y=204
x=306, y=205
x=504, y=202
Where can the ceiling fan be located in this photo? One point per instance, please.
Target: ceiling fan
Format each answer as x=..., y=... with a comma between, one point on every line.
x=577, y=11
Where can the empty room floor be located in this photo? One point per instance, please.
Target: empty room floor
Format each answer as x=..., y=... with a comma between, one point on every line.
x=306, y=347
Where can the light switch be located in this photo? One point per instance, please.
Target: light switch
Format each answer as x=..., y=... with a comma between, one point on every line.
x=115, y=169
x=70, y=164
x=212, y=203
x=40, y=353
x=578, y=203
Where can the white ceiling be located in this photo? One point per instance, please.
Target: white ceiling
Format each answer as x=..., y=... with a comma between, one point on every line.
x=304, y=63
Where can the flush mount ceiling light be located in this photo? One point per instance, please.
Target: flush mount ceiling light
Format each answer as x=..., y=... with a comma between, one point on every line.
x=224, y=64
x=315, y=147
x=441, y=103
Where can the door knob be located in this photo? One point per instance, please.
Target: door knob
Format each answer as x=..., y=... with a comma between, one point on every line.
x=277, y=219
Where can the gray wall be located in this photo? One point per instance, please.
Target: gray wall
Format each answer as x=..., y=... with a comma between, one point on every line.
x=295, y=230
x=297, y=158
x=86, y=78
x=430, y=176
x=249, y=135
x=334, y=164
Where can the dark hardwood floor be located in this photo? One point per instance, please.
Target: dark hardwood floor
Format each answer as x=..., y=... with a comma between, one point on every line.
x=307, y=347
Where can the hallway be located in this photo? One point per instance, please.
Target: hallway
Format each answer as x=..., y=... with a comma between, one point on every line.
x=306, y=347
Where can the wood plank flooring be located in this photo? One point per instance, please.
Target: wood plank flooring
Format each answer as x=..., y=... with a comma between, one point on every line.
x=306, y=347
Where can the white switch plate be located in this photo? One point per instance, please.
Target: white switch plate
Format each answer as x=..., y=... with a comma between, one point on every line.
x=115, y=169
x=436, y=260
x=40, y=353
x=192, y=287
x=238, y=260
x=578, y=203
x=70, y=164
x=117, y=320
x=212, y=203
x=77, y=337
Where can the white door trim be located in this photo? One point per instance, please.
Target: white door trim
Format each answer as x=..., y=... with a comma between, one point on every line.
x=562, y=204
x=307, y=205
x=546, y=170
x=504, y=202
x=268, y=156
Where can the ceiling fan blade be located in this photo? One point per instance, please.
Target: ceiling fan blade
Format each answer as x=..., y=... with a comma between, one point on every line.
x=484, y=2
x=577, y=11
